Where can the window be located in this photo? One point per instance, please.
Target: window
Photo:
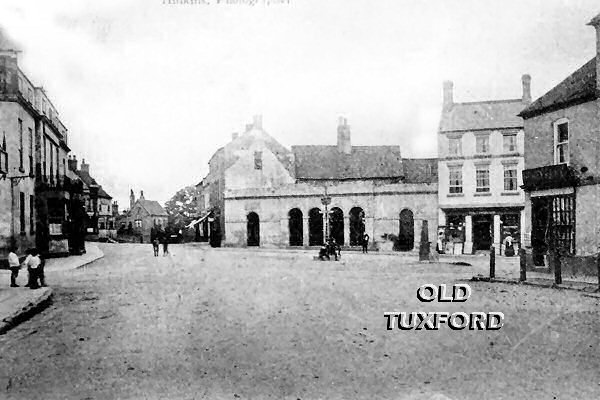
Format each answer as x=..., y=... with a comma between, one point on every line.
x=482, y=144
x=3, y=156
x=30, y=152
x=561, y=142
x=455, y=174
x=510, y=143
x=21, y=146
x=138, y=223
x=22, y=212
x=454, y=146
x=258, y=160
x=31, y=219
x=482, y=177
x=44, y=157
x=510, y=178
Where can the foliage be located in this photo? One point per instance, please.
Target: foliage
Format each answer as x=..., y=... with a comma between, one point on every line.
x=182, y=208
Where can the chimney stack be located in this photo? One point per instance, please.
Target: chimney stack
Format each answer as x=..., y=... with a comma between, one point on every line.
x=234, y=135
x=448, y=95
x=595, y=22
x=344, y=143
x=131, y=199
x=142, y=195
x=72, y=163
x=84, y=166
x=526, y=81
x=257, y=121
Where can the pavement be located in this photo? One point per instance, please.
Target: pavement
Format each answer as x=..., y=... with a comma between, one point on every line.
x=18, y=304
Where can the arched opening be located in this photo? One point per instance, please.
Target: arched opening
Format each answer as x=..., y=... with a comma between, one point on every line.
x=315, y=227
x=336, y=225
x=406, y=236
x=253, y=229
x=295, y=227
x=357, y=226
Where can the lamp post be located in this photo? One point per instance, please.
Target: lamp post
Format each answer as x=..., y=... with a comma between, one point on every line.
x=326, y=200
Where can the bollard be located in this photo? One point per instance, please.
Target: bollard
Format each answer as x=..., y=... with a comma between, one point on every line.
x=492, y=262
x=523, y=265
x=557, y=267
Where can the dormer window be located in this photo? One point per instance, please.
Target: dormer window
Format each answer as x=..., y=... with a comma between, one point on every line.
x=561, y=141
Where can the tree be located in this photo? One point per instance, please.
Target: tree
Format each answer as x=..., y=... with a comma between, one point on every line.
x=182, y=208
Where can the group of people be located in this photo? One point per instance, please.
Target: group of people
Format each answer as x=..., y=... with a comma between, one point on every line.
x=332, y=248
x=159, y=236
x=35, y=268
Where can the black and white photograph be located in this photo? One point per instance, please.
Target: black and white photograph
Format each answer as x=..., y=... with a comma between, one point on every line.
x=299, y=199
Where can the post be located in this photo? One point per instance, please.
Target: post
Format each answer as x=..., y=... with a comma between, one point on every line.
x=557, y=267
x=598, y=264
x=492, y=262
x=523, y=265
x=424, y=245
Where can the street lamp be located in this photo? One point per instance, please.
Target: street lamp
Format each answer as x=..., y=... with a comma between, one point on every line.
x=326, y=200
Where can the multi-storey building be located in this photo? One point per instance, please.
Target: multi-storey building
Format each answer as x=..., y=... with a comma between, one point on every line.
x=480, y=150
x=562, y=164
x=37, y=194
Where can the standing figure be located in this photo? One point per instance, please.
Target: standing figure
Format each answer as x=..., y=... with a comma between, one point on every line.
x=165, y=241
x=14, y=265
x=34, y=268
x=154, y=240
x=365, y=243
x=509, y=248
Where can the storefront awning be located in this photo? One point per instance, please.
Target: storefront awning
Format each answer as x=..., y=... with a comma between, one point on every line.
x=197, y=221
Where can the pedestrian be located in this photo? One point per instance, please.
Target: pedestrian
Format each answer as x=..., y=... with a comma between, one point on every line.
x=34, y=268
x=324, y=252
x=165, y=241
x=334, y=249
x=365, y=243
x=154, y=240
x=14, y=265
x=509, y=248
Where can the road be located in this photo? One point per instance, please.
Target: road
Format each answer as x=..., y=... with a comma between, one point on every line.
x=216, y=323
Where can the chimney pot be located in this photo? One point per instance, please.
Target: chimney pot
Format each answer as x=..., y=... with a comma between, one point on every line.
x=595, y=22
x=344, y=143
x=526, y=81
x=448, y=94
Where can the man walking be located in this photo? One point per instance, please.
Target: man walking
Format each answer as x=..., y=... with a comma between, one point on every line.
x=14, y=265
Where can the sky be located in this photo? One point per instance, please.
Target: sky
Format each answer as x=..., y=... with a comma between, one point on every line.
x=150, y=89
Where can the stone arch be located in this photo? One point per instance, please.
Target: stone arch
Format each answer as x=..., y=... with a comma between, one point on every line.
x=295, y=227
x=253, y=229
x=315, y=227
x=336, y=225
x=406, y=234
x=357, y=226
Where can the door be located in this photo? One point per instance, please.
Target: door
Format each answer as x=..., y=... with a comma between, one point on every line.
x=482, y=231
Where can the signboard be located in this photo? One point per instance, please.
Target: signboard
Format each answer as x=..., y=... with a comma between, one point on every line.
x=55, y=229
x=548, y=177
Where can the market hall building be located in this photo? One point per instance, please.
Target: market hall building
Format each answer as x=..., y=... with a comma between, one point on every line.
x=480, y=150
x=341, y=191
x=562, y=165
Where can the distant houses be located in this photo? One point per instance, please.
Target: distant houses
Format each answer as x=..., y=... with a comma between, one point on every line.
x=143, y=215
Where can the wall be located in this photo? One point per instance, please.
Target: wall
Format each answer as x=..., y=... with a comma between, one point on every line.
x=381, y=204
x=587, y=220
x=10, y=112
x=584, y=132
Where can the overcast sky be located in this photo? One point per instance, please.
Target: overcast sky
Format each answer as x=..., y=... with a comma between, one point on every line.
x=149, y=89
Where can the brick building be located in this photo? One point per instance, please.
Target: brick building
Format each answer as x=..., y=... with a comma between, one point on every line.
x=143, y=215
x=562, y=163
x=480, y=150
x=276, y=197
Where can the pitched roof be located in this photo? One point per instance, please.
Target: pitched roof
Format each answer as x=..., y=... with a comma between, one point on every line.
x=579, y=87
x=102, y=193
x=420, y=170
x=364, y=162
x=89, y=181
x=496, y=114
x=152, y=207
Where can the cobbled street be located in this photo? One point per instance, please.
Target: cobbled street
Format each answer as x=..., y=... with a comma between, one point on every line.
x=237, y=324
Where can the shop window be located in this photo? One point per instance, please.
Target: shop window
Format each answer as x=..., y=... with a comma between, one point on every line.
x=455, y=175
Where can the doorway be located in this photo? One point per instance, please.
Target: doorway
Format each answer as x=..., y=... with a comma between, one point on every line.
x=253, y=227
x=482, y=231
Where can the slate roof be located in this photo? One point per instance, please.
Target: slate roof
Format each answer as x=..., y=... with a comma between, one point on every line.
x=420, y=170
x=579, y=87
x=152, y=207
x=89, y=181
x=364, y=162
x=482, y=115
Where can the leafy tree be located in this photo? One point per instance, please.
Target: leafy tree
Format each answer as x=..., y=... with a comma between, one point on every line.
x=182, y=207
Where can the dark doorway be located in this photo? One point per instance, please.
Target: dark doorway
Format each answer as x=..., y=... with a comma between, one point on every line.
x=357, y=226
x=482, y=232
x=540, y=223
x=336, y=225
x=253, y=229
x=295, y=227
x=406, y=234
x=315, y=227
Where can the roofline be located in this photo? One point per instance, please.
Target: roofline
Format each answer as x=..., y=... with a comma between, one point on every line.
x=442, y=132
x=350, y=179
x=488, y=102
x=558, y=106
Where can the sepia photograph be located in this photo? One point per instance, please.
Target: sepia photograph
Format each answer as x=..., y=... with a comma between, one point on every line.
x=299, y=199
